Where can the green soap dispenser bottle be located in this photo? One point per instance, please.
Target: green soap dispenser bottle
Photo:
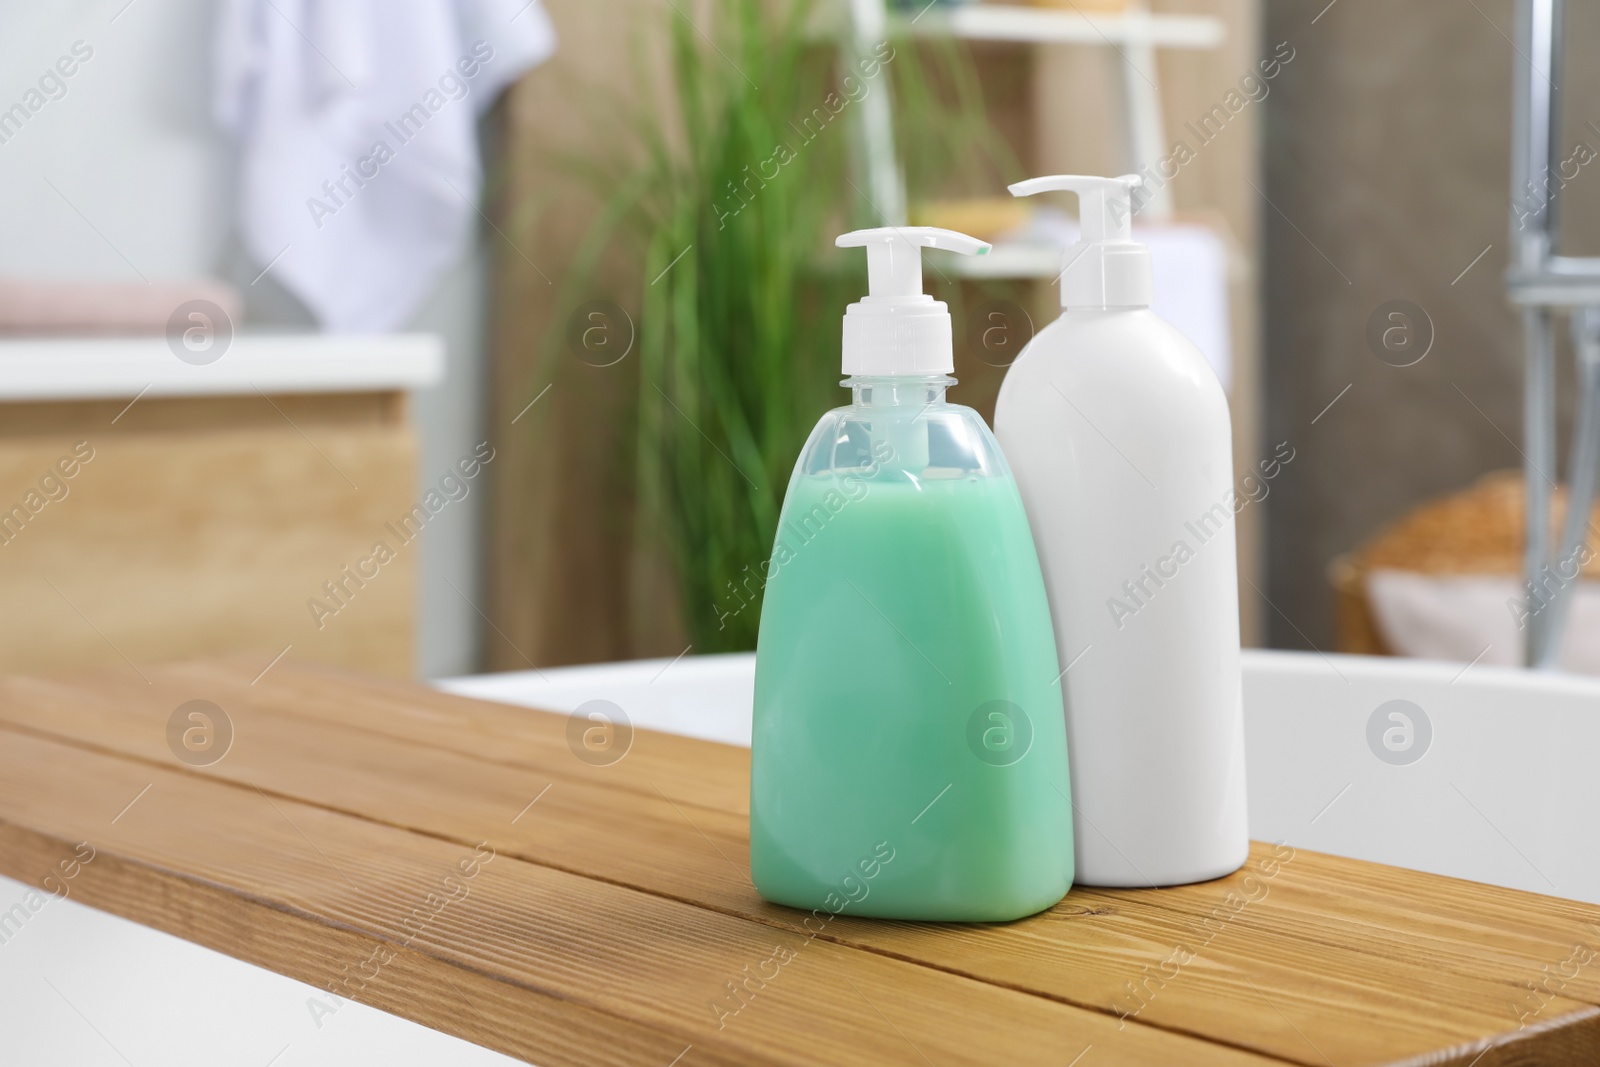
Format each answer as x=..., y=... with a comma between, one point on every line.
x=909, y=753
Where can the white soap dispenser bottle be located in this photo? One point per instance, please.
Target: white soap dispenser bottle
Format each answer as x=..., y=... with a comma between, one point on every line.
x=1118, y=433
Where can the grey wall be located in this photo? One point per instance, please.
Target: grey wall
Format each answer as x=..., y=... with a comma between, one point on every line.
x=1387, y=164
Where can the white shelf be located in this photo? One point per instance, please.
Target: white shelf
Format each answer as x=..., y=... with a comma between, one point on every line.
x=103, y=368
x=1036, y=25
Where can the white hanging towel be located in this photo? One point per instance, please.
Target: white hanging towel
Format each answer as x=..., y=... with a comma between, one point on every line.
x=356, y=127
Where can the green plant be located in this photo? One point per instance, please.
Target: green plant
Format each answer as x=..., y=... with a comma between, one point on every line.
x=734, y=370
x=731, y=207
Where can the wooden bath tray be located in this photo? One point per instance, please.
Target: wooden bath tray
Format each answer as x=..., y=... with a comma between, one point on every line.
x=456, y=863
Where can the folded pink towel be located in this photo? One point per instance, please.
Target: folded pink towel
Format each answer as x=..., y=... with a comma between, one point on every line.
x=37, y=306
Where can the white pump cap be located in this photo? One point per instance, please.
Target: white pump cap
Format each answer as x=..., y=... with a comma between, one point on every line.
x=897, y=329
x=1106, y=268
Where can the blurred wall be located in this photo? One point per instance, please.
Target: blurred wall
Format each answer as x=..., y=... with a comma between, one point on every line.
x=570, y=584
x=1387, y=169
x=573, y=583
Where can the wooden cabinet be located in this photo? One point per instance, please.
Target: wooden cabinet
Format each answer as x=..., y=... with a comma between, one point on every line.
x=181, y=525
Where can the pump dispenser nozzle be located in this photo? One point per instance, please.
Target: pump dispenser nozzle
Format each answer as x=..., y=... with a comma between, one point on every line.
x=897, y=329
x=1106, y=268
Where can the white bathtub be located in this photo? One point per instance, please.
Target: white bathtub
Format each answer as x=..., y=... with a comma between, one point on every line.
x=1506, y=792
x=1502, y=792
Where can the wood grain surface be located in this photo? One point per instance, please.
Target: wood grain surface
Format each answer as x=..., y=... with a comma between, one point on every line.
x=203, y=526
x=455, y=862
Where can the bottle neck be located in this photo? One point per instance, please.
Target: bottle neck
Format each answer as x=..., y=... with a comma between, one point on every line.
x=920, y=390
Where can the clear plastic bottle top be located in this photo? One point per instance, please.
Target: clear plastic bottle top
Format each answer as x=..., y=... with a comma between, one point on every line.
x=903, y=429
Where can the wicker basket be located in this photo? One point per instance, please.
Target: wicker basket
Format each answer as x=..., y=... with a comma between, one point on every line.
x=1476, y=531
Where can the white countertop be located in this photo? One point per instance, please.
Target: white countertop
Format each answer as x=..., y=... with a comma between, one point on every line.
x=112, y=367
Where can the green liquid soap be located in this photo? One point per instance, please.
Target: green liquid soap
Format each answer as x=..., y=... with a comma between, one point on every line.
x=909, y=754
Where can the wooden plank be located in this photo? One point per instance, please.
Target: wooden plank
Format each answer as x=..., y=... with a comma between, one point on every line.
x=1404, y=963
x=578, y=971
x=452, y=999
x=684, y=769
